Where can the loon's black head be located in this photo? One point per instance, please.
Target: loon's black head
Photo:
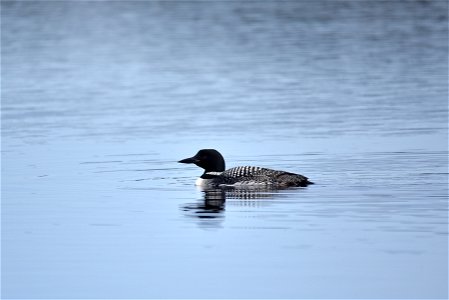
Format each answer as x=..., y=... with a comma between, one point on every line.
x=208, y=159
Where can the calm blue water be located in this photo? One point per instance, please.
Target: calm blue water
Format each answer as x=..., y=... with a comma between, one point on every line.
x=100, y=99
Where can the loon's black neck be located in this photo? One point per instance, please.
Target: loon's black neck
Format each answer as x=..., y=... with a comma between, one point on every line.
x=210, y=160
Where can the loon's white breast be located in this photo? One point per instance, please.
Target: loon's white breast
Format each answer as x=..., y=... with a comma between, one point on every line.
x=203, y=182
x=207, y=182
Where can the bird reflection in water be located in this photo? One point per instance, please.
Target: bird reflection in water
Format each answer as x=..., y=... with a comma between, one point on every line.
x=213, y=203
x=210, y=207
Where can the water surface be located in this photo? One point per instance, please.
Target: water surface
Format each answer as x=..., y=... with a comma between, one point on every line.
x=101, y=99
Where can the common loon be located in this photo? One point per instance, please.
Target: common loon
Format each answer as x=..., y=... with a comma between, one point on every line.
x=215, y=174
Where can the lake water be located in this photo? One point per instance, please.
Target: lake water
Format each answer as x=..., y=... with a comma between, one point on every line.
x=101, y=99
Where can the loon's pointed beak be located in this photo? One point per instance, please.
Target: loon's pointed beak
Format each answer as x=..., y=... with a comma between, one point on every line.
x=190, y=160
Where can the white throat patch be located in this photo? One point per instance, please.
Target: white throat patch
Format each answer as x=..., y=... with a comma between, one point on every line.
x=203, y=182
x=207, y=182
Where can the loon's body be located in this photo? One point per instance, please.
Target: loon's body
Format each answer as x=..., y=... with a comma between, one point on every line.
x=215, y=174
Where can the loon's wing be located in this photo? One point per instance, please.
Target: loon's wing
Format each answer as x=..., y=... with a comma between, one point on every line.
x=291, y=179
x=249, y=175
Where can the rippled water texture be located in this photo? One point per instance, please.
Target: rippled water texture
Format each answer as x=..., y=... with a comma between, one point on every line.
x=100, y=99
